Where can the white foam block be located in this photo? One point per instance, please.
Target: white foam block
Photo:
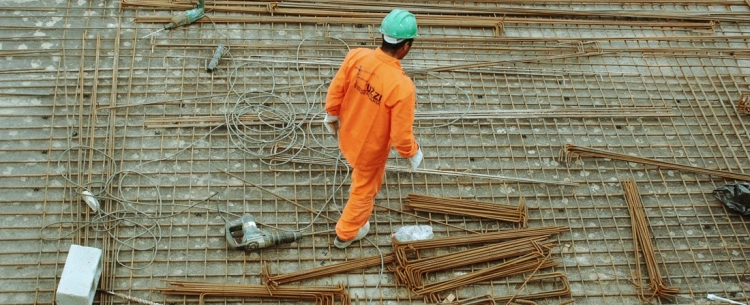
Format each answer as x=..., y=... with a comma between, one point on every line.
x=80, y=276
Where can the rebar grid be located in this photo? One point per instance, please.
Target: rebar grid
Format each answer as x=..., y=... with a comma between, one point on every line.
x=82, y=87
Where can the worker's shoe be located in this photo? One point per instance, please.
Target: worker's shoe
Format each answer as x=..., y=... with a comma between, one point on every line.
x=360, y=235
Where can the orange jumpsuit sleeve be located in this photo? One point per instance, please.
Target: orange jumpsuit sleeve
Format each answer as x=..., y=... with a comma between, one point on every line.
x=337, y=89
x=402, y=121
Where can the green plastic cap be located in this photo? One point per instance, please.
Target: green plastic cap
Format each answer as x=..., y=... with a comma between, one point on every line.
x=399, y=24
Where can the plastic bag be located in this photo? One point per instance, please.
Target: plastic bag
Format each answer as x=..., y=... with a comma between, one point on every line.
x=735, y=197
x=409, y=233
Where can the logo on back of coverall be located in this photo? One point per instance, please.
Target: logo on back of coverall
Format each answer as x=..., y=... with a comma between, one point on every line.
x=364, y=87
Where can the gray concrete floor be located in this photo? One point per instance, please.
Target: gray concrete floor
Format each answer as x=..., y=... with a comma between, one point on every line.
x=87, y=102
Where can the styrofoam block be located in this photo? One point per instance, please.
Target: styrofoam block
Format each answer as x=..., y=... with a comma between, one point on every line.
x=80, y=276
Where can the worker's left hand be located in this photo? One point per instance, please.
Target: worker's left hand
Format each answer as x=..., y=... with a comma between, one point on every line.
x=331, y=122
x=393, y=154
x=416, y=159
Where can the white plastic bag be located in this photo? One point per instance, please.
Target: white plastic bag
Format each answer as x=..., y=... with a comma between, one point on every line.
x=409, y=233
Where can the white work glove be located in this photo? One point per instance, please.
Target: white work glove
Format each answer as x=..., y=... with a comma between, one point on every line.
x=331, y=122
x=416, y=159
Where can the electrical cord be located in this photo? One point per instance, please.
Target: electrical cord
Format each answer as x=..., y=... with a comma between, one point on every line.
x=126, y=212
x=290, y=130
x=275, y=125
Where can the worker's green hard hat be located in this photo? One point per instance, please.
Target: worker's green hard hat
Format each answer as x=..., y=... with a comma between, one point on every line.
x=399, y=24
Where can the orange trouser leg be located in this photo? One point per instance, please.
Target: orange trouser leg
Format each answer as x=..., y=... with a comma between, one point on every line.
x=365, y=185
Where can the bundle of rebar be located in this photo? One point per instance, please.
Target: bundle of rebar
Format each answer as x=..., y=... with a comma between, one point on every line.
x=404, y=251
x=642, y=244
x=416, y=272
x=422, y=8
x=355, y=264
x=366, y=8
x=571, y=152
x=318, y=294
x=526, y=263
x=508, y=213
x=446, y=17
x=522, y=249
x=557, y=279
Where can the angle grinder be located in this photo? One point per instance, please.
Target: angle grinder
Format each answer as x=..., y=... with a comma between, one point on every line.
x=243, y=233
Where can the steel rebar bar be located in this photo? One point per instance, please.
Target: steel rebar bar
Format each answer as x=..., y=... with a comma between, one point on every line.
x=571, y=152
x=355, y=264
x=508, y=213
x=323, y=295
x=642, y=244
x=444, y=173
x=555, y=277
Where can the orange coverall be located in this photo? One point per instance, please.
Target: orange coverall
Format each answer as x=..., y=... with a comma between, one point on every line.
x=375, y=101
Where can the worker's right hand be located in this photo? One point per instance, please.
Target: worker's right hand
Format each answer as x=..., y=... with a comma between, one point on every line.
x=331, y=122
x=416, y=159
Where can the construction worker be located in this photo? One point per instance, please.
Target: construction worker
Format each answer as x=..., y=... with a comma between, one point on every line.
x=370, y=105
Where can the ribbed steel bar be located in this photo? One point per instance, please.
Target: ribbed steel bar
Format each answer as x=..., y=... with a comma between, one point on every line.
x=454, y=9
x=442, y=21
x=515, y=214
x=248, y=119
x=571, y=152
x=415, y=274
x=557, y=279
x=362, y=10
x=323, y=295
x=643, y=244
x=407, y=251
x=333, y=162
x=361, y=263
x=522, y=264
